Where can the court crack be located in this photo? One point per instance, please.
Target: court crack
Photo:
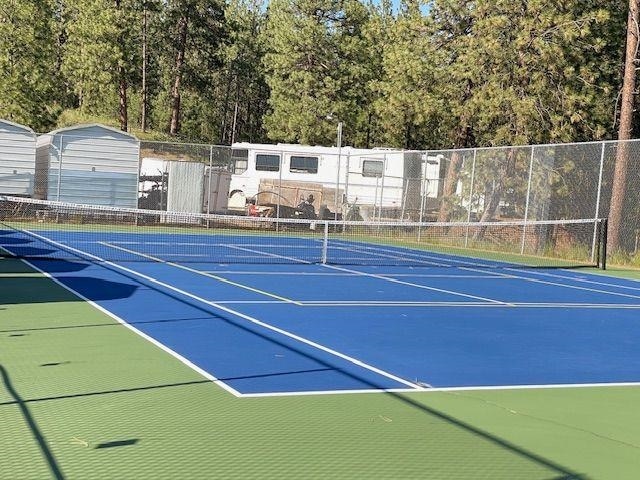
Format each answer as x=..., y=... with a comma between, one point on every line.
x=546, y=420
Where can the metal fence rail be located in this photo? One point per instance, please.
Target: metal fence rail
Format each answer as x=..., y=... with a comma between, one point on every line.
x=526, y=183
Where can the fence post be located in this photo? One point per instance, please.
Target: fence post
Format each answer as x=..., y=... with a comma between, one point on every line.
x=471, y=187
x=423, y=190
x=280, y=167
x=384, y=168
x=325, y=242
x=598, y=195
x=210, y=176
x=346, y=180
x=526, y=208
x=60, y=144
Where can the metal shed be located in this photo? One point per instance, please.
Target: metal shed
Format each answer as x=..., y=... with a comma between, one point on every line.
x=17, y=159
x=91, y=164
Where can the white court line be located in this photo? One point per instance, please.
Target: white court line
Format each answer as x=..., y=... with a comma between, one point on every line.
x=376, y=253
x=249, y=318
x=393, y=280
x=345, y=274
x=521, y=277
x=200, y=272
x=556, y=284
x=223, y=385
x=329, y=303
x=417, y=285
x=155, y=342
x=272, y=255
x=583, y=280
x=448, y=389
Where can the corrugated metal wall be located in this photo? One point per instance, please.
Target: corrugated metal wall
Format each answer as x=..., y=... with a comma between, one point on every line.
x=99, y=166
x=186, y=187
x=17, y=159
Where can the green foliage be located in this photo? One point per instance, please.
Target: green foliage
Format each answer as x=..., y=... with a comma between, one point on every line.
x=30, y=94
x=462, y=73
x=99, y=40
x=408, y=102
x=315, y=68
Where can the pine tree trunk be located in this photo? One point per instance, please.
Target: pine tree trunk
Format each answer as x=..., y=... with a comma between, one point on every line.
x=451, y=180
x=122, y=110
x=625, y=129
x=183, y=26
x=145, y=91
x=492, y=201
x=123, y=114
x=462, y=139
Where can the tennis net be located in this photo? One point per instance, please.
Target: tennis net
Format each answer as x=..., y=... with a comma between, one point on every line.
x=46, y=230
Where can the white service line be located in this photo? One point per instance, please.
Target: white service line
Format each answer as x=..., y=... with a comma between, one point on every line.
x=394, y=280
x=556, y=284
x=329, y=303
x=417, y=285
x=272, y=255
x=376, y=253
x=583, y=280
x=200, y=272
x=253, y=320
x=345, y=274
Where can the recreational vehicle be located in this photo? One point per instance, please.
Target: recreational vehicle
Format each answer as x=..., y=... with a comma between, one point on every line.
x=382, y=182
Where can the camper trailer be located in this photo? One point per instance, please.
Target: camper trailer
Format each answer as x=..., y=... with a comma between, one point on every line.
x=382, y=182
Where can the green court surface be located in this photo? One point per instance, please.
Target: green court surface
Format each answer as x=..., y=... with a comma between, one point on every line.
x=83, y=397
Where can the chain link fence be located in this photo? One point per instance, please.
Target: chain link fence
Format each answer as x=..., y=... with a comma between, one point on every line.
x=514, y=183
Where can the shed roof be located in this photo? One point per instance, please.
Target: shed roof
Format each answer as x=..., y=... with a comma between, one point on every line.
x=76, y=130
x=6, y=125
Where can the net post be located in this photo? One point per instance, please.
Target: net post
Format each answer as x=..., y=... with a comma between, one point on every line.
x=325, y=242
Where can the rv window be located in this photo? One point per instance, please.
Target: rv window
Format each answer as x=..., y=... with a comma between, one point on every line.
x=304, y=164
x=372, y=168
x=240, y=159
x=267, y=163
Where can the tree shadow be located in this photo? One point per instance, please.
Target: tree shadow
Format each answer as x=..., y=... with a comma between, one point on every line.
x=560, y=472
x=33, y=426
x=31, y=290
x=103, y=290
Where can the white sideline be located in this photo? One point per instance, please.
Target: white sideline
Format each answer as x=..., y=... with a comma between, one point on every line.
x=253, y=320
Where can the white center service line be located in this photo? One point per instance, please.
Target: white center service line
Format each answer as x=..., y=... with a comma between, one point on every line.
x=200, y=272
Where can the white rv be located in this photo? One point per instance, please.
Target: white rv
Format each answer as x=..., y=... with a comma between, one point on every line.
x=378, y=178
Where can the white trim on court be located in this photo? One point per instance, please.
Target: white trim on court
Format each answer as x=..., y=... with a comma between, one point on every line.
x=155, y=342
x=446, y=389
x=383, y=303
x=584, y=280
x=394, y=280
x=200, y=272
x=417, y=285
x=241, y=315
x=556, y=284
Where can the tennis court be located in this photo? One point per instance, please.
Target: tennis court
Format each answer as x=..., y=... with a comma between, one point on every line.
x=296, y=312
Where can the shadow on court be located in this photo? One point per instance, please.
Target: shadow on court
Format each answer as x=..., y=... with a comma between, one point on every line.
x=28, y=289
x=556, y=471
x=17, y=289
x=31, y=423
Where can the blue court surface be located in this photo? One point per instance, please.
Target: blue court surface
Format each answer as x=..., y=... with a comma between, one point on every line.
x=294, y=327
